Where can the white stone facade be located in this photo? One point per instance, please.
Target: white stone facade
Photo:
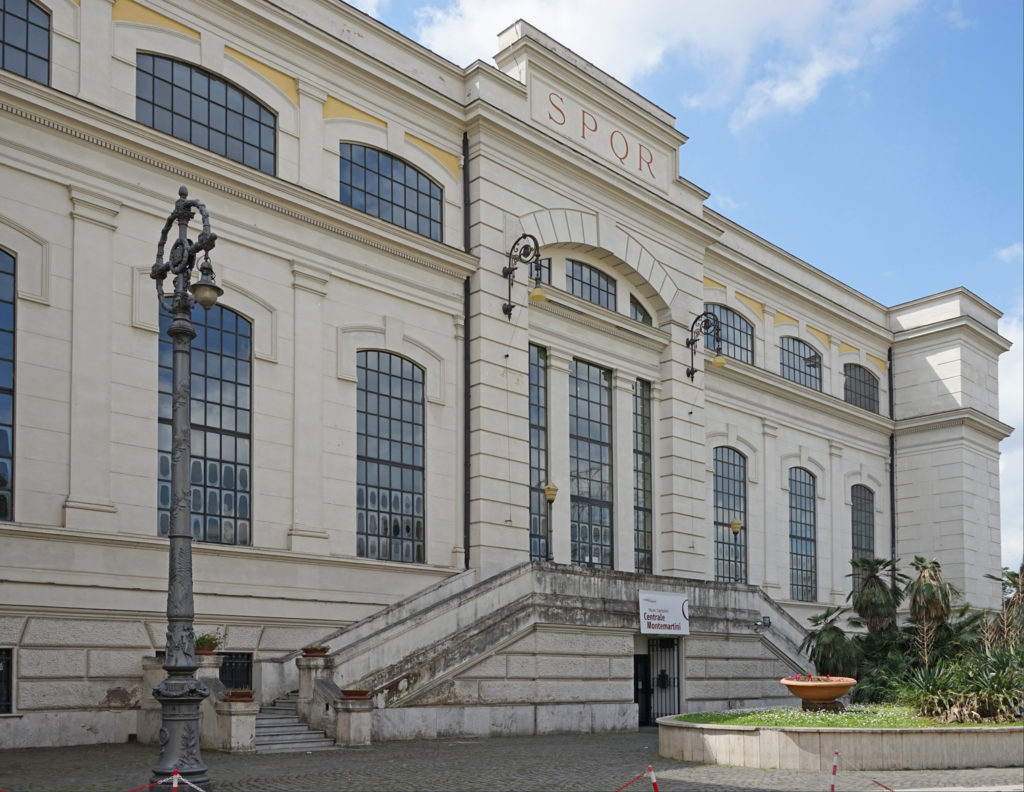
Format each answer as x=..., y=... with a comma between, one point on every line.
x=544, y=144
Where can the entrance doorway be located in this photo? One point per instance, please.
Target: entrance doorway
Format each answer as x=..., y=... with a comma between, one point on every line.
x=656, y=680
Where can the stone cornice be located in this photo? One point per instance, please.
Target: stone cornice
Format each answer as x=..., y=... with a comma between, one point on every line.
x=958, y=325
x=966, y=417
x=594, y=317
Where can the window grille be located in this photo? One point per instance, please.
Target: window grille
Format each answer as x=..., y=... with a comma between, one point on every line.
x=390, y=509
x=590, y=464
x=7, y=368
x=196, y=106
x=236, y=670
x=221, y=458
x=25, y=39
x=6, y=681
x=860, y=387
x=539, y=531
x=799, y=362
x=862, y=513
x=590, y=283
x=736, y=332
x=803, y=583
x=638, y=312
x=643, y=494
x=374, y=182
x=730, y=498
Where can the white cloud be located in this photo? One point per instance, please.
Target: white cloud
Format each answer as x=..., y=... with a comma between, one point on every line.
x=1010, y=253
x=1011, y=461
x=758, y=57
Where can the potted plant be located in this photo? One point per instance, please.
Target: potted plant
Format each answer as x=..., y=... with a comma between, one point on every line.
x=238, y=694
x=315, y=650
x=207, y=643
x=818, y=692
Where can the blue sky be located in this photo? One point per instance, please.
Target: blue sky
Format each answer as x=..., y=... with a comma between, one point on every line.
x=882, y=141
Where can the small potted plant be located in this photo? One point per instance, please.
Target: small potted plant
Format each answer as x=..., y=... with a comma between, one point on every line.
x=315, y=650
x=207, y=643
x=239, y=694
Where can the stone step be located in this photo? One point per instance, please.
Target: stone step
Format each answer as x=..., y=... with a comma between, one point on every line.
x=278, y=729
x=284, y=728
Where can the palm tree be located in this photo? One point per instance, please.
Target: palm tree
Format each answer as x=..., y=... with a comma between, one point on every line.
x=931, y=598
x=831, y=651
x=873, y=598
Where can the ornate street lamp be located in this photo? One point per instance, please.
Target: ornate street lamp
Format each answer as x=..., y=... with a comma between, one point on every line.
x=705, y=323
x=525, y=250
x=181, y=693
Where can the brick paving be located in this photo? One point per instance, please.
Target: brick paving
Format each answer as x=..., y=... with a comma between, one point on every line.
x=557, y=762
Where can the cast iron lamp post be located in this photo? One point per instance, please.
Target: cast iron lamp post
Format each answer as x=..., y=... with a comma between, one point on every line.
x=705, y=323
x=181, y=693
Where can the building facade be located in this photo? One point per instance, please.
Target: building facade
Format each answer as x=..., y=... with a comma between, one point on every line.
x=378, y=406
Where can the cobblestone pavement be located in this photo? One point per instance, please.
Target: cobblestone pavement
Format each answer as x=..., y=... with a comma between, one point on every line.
x=558, y=762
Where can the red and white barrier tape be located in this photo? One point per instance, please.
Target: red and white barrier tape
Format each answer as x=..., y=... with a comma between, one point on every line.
x=648, y=772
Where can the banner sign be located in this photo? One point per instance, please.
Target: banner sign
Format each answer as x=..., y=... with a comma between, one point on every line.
x=662, y=613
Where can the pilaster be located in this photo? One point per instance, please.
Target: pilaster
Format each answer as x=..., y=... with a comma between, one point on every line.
x=95, y=50
x=622, y=470
x=558, y=453
x=307, y=533
x=94, y=221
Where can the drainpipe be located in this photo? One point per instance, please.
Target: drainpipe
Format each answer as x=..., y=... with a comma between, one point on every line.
x=892, y=471
x=465, y=352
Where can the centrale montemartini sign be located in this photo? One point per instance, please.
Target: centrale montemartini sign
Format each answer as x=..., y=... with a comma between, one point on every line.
x=662, y=613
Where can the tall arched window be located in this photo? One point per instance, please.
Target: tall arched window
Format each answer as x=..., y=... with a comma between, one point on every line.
x=737, y=333
x=590, y=464
x=7, y=347
x=374, y=182
x=860, y=387
x=221, y=465
x=590, y=283
x=803, y=581
x=799, y=362
x=390, y=509
x=25, y=39
x=539, y=531
x=196, y=106
x=862, y=512
x=730, y=493
x=643, y=478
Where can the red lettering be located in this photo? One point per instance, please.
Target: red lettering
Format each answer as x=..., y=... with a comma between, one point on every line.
x=648, y=161
x=551, y=98
x=583, y=124
x=611, y=142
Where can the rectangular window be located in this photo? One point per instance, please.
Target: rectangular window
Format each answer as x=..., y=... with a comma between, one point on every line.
x=730, y=505
x=539, y=534
x=25, y=40
x=863, y=517
x=590, y=464
x=6, y=681
x=643, y=491
x=7, y=349
x=803, y=583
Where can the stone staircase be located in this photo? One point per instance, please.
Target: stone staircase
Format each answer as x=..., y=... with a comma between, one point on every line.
x=278, y=729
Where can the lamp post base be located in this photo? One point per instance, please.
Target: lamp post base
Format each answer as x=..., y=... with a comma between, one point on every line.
x=179, y=734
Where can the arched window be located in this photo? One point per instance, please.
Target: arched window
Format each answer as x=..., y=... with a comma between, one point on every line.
x=860, y=387
x=389, y=458
x=803, y=581
x=737, y=333
x=590, y=464
x=862, y=512
x=638, y=312
x=25, y=39
x=590, y=283
x=539, y=531
x=799, y=362
x=730, y=493
x=7, y=346
x=221, y=465
x=643, y=479
x=374, y=182
x=196, y=106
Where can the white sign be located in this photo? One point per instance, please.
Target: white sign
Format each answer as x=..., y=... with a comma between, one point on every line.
x=662, y=613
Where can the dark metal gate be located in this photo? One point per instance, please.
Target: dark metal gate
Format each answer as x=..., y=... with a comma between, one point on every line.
x=664, y=658
x=6, y=680
x=236, y=670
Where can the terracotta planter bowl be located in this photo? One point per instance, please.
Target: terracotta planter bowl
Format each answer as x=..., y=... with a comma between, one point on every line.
x=815, y=693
